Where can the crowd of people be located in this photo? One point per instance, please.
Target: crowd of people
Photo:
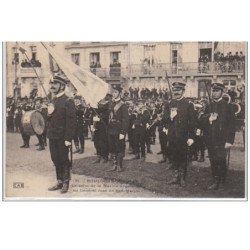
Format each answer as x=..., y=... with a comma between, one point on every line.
x=223, y=63
x=146, y=93
x=32, y=63
x=183, y=126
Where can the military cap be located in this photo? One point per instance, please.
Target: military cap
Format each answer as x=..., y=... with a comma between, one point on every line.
x=218, y=85
x=178, y=85
x=77, y=97
x=38, y=98
x=117, y=87
x=24, y=98
x=59, y=79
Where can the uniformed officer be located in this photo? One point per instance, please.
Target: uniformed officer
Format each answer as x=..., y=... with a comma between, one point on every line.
x=79, y=133
x=60, y=131
x=117, y=128
x=24, y=108
x=139, y=127
x=180, y=125
x=99, y=129
x=219, y=134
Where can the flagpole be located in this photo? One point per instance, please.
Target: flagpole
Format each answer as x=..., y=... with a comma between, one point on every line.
x=24, y=53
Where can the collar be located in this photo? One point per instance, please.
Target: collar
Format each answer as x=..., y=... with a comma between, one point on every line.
x=117, y=99
x=179, y=98
x=218, y=100
x=60, y=94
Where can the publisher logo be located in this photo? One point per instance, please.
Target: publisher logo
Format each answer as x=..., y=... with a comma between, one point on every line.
x=18, y=185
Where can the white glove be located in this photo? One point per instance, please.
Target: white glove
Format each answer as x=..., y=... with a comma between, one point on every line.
x=92, y=128
x=133, y=126
x=173, y=114
x=121, y=136
x=165, y=130
x=67, y=143
x=213, y=117
x=190, y=142
x=51, y=108
x=198, y=132
x=96, y=119
x=228, y=145
x=147, y=125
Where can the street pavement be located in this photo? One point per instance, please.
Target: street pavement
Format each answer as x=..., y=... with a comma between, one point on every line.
x=29, y=173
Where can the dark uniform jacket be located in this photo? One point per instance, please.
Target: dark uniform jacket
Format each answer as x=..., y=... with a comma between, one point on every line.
x=141, y=120
x=62, y=122
x=182, y=127
x=222, y=129
x=119, y=118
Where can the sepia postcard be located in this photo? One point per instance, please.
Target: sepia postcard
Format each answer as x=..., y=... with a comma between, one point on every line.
x=124, y=120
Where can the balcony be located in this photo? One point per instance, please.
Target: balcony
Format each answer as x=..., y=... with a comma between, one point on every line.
x=186, y=69
x=29, y=72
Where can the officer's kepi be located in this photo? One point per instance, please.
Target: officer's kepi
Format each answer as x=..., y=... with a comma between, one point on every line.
x=218, y=86
x=58, y=79
x=178, y=86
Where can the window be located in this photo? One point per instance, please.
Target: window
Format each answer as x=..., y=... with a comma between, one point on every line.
x=75, y=58
x=149, y=55
x=114, y=57
x=34, y=56
x=230, y=84
x=94, y=58
x=174, y=56
x=16, y=58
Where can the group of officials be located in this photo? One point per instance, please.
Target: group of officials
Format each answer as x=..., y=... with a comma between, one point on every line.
x=180, y=128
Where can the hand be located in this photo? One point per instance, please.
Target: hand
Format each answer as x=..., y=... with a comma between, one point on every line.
x=147, y=125
x=92, y=128
x=198, y=132
x=133, y=126
x=67, y=143
x=165, y=130
x=121, y=136
x=228, y=145
x=190, y=142
x=96, y=119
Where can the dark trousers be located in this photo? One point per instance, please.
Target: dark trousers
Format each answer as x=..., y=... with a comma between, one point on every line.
x=60, y=157
x=199, y=146
x=10, y=123
x=79, y=137
x=101, y=143
x=163, y=142
x=217, y=156
x=131, y=139
x=139, y=141
x=25, y=137
x=115, y=145
x=178, y=155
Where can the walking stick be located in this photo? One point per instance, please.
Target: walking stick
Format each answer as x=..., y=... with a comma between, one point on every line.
x=228, y=158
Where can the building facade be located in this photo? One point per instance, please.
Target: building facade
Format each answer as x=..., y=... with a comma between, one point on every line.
x=135, y=64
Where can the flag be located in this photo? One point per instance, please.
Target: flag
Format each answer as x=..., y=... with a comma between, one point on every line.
x=92, y=88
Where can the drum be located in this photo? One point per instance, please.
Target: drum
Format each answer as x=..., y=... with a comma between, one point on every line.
x=33, y=122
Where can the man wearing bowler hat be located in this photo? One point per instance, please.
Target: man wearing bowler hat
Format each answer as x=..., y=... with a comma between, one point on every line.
x=117, y=128
x=60, y=131
x=180, y=124
x=219, y=134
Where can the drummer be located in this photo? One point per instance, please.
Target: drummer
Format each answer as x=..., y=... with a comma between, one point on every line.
x=41, y=138
x=24, y=108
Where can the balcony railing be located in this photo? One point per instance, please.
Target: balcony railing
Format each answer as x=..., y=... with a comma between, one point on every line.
x=28, y=72
x=185, y=69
